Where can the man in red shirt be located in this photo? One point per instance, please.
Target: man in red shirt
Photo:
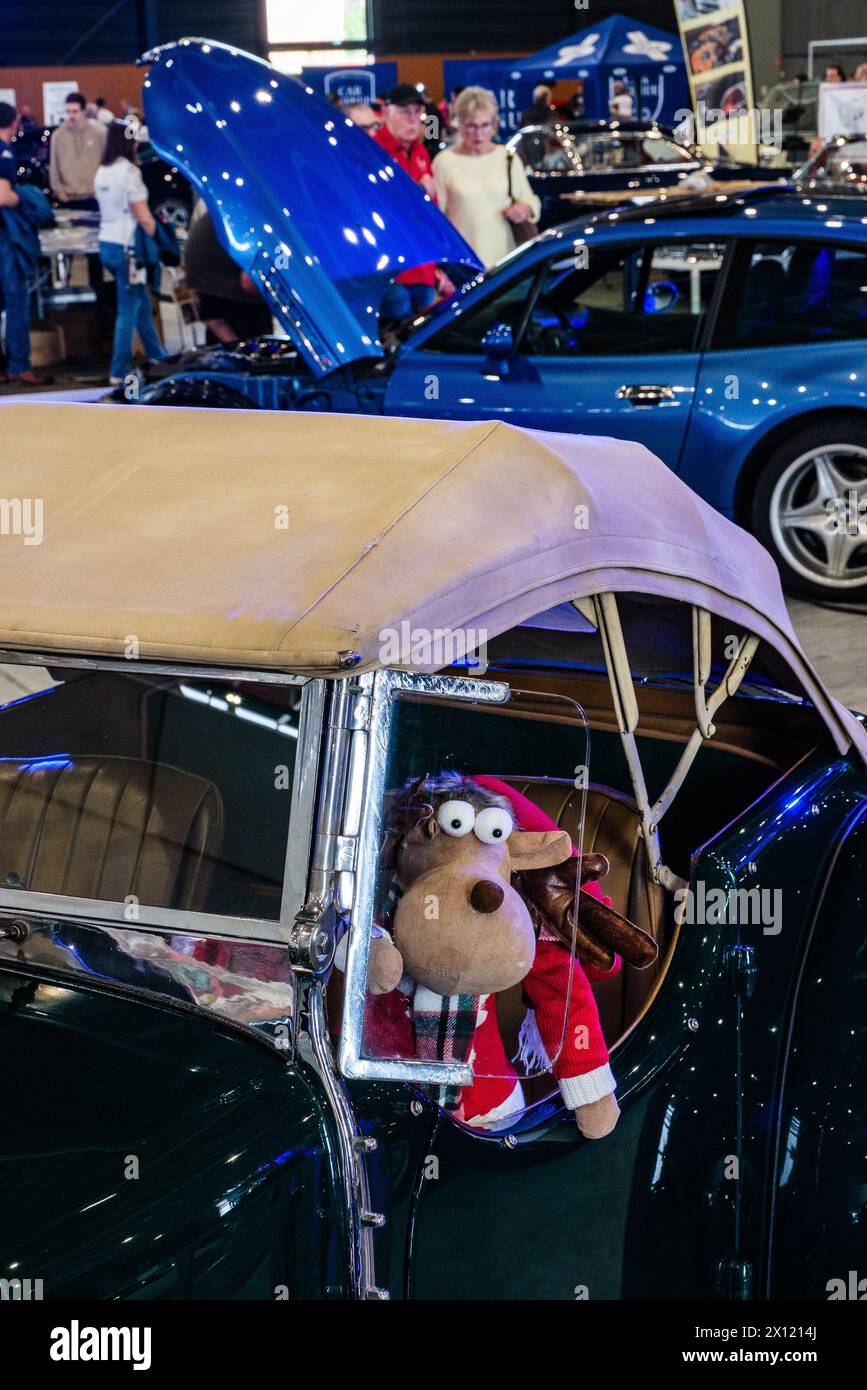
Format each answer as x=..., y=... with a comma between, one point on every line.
x=401, y=138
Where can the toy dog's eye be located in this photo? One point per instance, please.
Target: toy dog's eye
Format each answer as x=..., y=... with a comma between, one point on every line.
x=456, y=817
x=493, y=825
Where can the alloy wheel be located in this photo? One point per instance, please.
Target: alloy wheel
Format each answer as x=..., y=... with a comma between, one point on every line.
x=818, y=515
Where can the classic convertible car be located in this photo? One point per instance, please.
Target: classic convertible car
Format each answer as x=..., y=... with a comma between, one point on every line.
x=723, y=332
x=218, y=676
x=839, y=167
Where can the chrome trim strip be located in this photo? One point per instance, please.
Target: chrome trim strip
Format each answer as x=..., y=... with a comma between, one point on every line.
x=150, y=668
x=315, y=1045
x=303, y=805
x=253, y=986
x=22, y=903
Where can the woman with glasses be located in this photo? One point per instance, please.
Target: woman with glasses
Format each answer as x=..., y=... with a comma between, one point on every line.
x=481, y=187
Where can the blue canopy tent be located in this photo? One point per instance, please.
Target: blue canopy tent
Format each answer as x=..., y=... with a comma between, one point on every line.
x=648, y=61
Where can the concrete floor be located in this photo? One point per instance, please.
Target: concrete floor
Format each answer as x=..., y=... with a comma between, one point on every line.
x=836, y=643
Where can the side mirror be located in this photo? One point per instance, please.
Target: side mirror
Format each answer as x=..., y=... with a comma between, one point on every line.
x=498, y=345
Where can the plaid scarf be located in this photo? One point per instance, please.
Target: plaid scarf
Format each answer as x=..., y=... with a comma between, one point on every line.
x=443, y=1025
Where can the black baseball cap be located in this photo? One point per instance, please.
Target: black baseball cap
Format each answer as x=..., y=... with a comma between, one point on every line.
x=404, y=95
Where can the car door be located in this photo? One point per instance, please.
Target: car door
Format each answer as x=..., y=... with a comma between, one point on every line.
x=787, y=342
x=600, y=341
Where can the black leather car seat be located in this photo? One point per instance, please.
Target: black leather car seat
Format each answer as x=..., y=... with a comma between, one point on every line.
x=108, y=828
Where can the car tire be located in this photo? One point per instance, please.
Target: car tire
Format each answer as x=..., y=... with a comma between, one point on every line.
x=809, y=508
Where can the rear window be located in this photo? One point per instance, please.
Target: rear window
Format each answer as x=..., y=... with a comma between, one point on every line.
x=794, y=292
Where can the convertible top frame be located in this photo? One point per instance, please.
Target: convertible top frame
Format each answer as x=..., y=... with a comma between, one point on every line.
x=603, y=612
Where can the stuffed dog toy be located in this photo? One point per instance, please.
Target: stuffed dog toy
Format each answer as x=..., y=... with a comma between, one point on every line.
x=482, y=898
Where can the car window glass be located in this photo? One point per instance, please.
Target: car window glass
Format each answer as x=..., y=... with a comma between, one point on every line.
x=794, y=292
x=848, y=161
x=607, y=152
x=543, y=151
x=627, y=302
x=468, y=327
x=659, y=151
x=159, y=791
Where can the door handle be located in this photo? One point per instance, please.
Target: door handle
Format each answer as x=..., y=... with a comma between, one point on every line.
x=646, y=395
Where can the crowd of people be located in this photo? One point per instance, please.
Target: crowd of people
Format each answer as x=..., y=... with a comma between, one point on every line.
x=481, y=187
x=92, y=169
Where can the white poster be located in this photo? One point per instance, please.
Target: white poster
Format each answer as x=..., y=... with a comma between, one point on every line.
x=842, y=109
x=54, y=96
x=8, y=94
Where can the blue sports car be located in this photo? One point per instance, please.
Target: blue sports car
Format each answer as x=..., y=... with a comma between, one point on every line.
x=728, y=332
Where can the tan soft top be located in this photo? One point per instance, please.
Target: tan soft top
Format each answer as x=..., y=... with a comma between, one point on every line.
x=279, y=540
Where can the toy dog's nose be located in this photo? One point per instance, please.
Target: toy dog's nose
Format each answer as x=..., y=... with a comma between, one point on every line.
x=486, y=896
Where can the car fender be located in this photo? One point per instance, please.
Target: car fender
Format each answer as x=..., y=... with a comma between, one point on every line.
x=153, y=1151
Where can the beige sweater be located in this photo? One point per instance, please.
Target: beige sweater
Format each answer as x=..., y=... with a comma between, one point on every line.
x=74, y=157
x=473, y=191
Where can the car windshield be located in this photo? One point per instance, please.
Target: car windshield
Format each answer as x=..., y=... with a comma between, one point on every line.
x=561, y=150
x=848, y=162
x=797, y=101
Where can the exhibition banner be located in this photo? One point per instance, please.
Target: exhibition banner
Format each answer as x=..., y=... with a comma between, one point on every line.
x=349, y=84
x=716, y=50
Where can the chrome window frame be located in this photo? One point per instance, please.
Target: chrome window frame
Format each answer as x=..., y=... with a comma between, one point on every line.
x=23, y=903
x=366, y=787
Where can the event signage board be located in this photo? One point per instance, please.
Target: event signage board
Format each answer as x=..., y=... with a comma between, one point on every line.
x=717, y=54
x=349, y=84
x=54, y=96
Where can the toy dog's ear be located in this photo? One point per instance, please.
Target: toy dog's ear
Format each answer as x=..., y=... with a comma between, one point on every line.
x=538, y=849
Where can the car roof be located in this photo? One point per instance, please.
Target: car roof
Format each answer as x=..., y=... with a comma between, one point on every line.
x=577, y=125
x=163, y=525
x=780, y=204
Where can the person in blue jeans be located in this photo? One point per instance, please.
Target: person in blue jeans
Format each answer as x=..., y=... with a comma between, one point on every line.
x=14, y=292
x=123, y=202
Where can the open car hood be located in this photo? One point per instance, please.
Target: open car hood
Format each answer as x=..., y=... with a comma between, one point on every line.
x=304, y=201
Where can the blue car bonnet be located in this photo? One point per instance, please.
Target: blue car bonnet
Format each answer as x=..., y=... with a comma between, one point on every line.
x=306, y=203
